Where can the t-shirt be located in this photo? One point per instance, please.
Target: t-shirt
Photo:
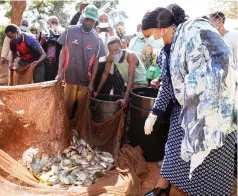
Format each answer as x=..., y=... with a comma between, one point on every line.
x=83, y=49
x=137, y=45
x=105, y=37
x=27, y=46
x=231, y=39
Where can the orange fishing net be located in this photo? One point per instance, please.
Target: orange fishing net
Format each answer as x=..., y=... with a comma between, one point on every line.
x=33, y=116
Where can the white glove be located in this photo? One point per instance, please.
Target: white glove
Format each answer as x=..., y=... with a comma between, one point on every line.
x=149, y=123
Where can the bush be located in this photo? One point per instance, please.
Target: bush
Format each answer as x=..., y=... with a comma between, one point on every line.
x=2, y=35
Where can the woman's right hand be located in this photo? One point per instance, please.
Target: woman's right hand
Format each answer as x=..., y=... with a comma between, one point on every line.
x=155, y=83
x=149, y=123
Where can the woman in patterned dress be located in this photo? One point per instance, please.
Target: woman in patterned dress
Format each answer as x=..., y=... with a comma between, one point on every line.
x=198, y=75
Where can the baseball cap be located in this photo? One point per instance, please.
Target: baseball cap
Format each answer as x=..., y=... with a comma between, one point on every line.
x=91, y=11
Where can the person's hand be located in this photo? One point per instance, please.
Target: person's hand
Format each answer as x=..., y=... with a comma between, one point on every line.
x=143, y=55
x=3, y=61
x=149, y=123
x=11, y=66
x=155, y=83
x=35, y=63
x=123, y=102
x=91, y=87
x=43, y=40
x=59, y=76
x=97, y=30
x=95, y=94
x=82, y=7
x=110, y=31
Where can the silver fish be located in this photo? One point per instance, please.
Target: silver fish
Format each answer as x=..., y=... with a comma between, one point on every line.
x=82, y=143
x=66, y=162
x=84, y=153
x=76, y=170
x=89, y=157
x=81, y=176
x=56, y=169
x=110, y=166
x=36, y=167
x=89, y=181
x=103, y=164
x=78, y=183
x=81, y=161
x=53, y=180
x=80, y=149
x=76, y=156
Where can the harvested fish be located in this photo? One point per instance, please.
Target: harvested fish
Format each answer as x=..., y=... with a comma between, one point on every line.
x=56, y=169
x=81, y=176
x=75, y=171
x=78, y=165
x=103, y=164
x=66, y=162
x=76, y=156
x=89, y=181
x=84, y=153
x=53, y=180
x=82, y=161
x=82, y=143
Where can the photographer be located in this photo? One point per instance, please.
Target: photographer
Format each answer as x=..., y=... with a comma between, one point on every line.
x=52, y=48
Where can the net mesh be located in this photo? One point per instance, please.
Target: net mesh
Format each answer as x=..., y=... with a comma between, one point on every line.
x=105, y=136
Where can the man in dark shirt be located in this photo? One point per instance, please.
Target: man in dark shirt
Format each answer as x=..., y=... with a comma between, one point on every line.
x=83, y=47
x=28, y=48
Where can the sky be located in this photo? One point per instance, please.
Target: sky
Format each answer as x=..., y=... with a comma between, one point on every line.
x=136, y=8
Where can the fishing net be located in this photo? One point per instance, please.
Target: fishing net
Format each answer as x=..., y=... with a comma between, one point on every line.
x=17, y=180
x=105, y=136
x=3, y=75
x=33, y=116
x=21, y=75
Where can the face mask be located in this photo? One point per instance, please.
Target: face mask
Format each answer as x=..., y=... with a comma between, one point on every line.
x=85, y=28
x=117, y=57
x=103, y=25
x=140, y=35
x=158, y=44
x=24, y=29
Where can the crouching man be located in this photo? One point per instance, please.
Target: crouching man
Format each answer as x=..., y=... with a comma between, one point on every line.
x=129, y=66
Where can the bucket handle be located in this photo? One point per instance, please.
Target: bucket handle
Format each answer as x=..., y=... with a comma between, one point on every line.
x=94, y=108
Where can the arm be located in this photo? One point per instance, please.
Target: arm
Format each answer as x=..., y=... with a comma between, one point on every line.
x=35, y=46
x=61, y=63
x=105, y=74
x=5, y=50
x=75, y=19
x=13, y=56
x=94, y=73
x=133, y=61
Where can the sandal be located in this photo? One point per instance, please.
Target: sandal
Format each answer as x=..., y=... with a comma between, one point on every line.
x=159, y=191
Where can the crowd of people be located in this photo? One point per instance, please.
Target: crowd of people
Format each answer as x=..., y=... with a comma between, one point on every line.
x=193, y=62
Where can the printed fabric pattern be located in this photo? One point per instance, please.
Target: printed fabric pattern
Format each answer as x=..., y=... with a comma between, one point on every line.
x=203, y=77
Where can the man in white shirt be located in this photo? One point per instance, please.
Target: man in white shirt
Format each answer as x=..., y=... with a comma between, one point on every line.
x=105, y=32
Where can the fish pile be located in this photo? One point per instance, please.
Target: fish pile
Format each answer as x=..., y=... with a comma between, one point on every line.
x=78, y=165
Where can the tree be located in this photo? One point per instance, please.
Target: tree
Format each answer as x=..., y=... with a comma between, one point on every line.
x=229, y=7
x=18, y=7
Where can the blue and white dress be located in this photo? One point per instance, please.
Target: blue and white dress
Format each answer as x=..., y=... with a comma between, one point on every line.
x=214, y=173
